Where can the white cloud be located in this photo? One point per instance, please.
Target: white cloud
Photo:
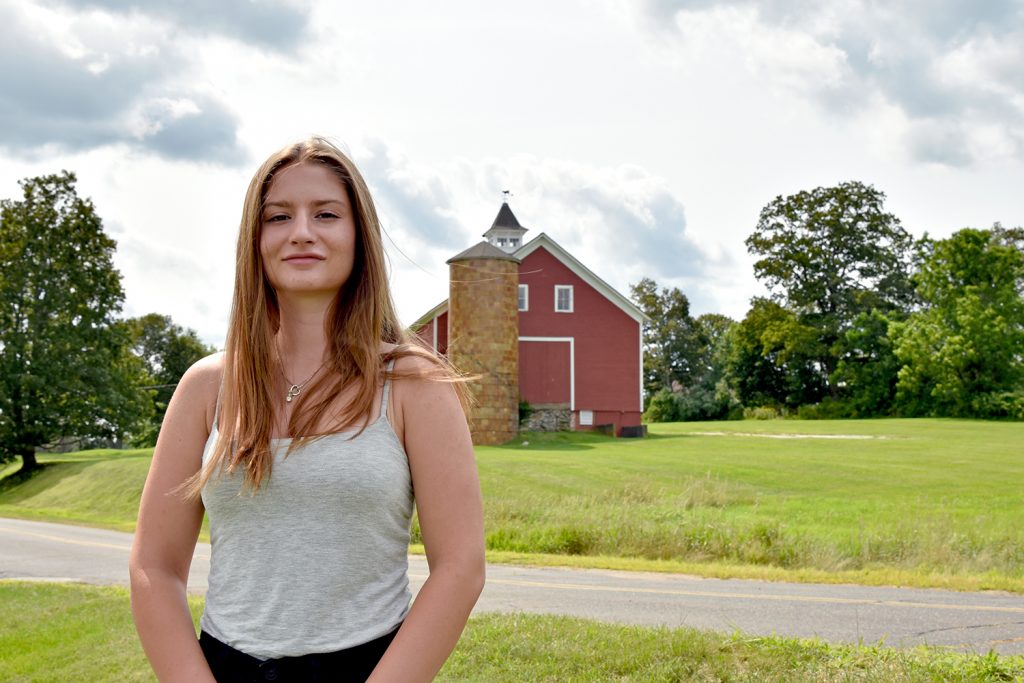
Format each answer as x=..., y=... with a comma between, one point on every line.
x=952, y=68
x=622, y=222
x=643, y=152
x=268, y=23
x=95, y=74
x=416, y=201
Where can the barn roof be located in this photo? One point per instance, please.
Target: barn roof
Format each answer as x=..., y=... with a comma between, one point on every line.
x=584, y=273
x=429, y=315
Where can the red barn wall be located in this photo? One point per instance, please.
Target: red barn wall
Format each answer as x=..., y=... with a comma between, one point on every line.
x=606, y=342
x=442, y=333
x=547, y=380
x=426, y=333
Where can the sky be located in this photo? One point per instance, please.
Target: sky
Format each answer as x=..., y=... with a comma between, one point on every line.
x=644, y=136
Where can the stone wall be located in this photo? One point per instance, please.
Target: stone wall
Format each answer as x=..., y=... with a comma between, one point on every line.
x=548, y=419
x=483, y=340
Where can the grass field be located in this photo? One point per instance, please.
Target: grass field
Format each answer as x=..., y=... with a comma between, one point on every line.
x=936, y=498
x=57, y=633
x=98, y=488
x=914, y=502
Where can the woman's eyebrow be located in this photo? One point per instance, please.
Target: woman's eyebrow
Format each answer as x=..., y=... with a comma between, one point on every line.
x=285, y=204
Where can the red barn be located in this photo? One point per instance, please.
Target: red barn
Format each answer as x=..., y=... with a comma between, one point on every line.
x=580, y=363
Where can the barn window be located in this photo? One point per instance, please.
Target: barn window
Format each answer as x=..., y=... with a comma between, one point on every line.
x=563, y=298
x=524, y=297
x=586, y=418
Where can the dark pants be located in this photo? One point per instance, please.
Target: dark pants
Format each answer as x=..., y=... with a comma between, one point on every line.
x=352, y=664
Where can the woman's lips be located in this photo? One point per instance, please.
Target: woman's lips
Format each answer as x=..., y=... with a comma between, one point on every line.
x=304, y=259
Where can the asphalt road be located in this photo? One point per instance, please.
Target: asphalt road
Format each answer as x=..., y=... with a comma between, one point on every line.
x=901, y=617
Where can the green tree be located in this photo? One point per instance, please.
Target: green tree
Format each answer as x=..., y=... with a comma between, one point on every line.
x=663, y=406
x=712, y=332
x=961, y=354
x=772, y=356
x=66, y=370
x=829, y=255
x=709, y=396
x=671, y=343
x=1009, y=237
x=167, y=350
x=866, y=374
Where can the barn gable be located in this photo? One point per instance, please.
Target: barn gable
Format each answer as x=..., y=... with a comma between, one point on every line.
x=584, y=273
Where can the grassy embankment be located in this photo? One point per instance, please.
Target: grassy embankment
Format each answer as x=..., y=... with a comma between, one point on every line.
x=84, y=633
x=911, y=502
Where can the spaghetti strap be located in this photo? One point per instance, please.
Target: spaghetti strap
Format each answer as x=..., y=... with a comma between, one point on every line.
x=216, y=406
x=386, y=392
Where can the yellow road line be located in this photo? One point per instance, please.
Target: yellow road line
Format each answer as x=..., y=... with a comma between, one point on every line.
x=60, y=539
x=751, y=596
x=70, y=541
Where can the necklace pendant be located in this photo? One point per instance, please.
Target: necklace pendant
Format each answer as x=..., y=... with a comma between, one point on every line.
x=293, y=391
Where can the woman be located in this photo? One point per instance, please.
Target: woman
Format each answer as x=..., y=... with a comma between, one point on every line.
x=303, y=442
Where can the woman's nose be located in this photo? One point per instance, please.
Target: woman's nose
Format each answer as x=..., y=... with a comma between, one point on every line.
x=302, y=229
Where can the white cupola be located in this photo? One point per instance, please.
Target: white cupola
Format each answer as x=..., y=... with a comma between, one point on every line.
x=505, y=233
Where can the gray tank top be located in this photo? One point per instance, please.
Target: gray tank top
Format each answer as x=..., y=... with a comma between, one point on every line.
x=316, y=560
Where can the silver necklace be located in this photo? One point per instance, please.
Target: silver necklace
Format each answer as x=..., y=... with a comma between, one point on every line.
x=293, y=388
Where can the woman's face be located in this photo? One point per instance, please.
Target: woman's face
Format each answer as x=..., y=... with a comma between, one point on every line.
x=308, y=232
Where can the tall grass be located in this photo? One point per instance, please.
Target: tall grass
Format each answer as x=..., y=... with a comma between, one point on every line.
x=940, y=496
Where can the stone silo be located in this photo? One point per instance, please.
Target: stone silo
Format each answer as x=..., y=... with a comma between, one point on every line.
x=483, y=337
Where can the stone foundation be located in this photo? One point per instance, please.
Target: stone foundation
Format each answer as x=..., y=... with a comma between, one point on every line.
x=548, y=419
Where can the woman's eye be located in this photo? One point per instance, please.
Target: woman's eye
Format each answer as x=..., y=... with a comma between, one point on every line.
x=327, y=214
x=276, y=218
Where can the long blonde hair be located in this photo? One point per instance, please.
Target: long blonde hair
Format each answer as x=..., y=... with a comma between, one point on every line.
x=363, y=316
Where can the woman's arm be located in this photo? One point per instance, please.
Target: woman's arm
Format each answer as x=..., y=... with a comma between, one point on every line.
x=167, y=529
x=450, y=511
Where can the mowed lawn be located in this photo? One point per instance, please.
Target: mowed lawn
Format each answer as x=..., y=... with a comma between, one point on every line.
x=923, y=502
x=97, y=488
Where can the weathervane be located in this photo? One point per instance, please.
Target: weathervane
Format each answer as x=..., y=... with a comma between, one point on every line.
x=505, y=194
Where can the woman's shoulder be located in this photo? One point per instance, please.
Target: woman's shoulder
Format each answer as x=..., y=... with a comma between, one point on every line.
x=191, y=410
x=422, y=377
x=203, y=379
x=207, y=369
x=413, y=361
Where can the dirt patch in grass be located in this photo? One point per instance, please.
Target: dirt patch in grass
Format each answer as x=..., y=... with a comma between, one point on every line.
x=762, y=435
